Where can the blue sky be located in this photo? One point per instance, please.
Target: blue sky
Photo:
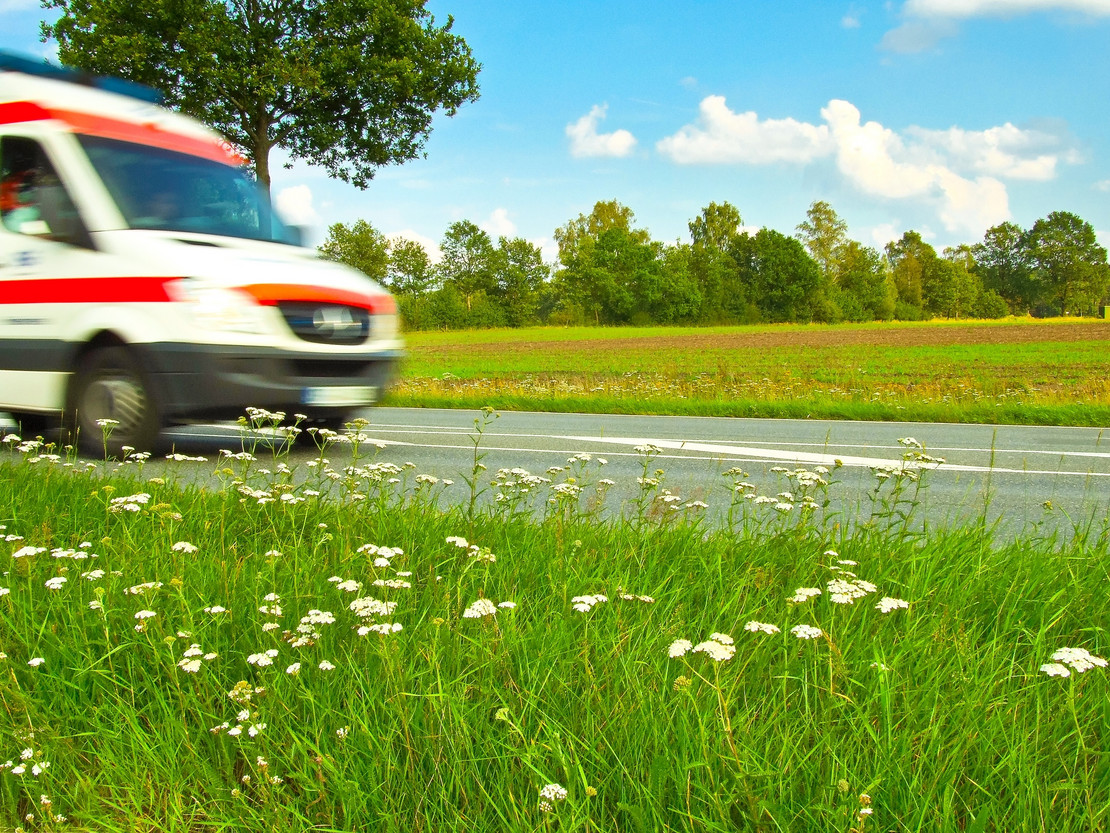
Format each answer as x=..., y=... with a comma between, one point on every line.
x=943, y=116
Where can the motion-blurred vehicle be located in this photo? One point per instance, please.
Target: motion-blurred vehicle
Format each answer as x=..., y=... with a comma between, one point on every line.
x=145, y=279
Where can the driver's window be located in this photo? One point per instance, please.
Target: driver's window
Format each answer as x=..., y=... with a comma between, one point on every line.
x=33, y=200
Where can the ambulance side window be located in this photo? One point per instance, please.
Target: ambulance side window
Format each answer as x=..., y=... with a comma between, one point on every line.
x=33, y=200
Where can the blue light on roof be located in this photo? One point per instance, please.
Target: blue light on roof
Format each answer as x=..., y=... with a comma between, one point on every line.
x=14, y=62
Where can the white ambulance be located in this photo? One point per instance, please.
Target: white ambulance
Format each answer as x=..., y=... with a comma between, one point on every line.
x=145, y=280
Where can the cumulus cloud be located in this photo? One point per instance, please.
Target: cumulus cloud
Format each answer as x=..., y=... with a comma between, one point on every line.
x=925, y=22
x=877, y=161
x=721, y=135
x=585, y=141
x=1001, y=8
x=294, y=204
x=958, y=172
x=499, y=224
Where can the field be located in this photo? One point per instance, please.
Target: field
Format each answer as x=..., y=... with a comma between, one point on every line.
x=328, y=650
x=1015, y=371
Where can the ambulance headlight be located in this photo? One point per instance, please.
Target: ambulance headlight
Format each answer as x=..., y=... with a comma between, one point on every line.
x=218, y=308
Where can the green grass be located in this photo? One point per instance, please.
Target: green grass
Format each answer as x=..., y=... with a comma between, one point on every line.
x=938, y=712
x=1017, y=371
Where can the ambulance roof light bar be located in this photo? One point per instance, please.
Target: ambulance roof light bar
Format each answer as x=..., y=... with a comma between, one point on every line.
x=28, y=66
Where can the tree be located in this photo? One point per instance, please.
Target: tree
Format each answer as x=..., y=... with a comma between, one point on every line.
x=716, y=226
x=1070, y=263
x=866, y=287
x=823, y=233
x=410, y=270
x=350, y=85
x=782, y=277
x=468, y=260
x=361, y=246
x=520, y=273
x=1004, y=263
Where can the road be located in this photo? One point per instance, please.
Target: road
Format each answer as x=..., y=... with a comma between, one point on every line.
x=1007, y=472
x=1010, y=473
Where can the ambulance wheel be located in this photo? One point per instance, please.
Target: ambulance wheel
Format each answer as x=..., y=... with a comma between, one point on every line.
x=111, y=385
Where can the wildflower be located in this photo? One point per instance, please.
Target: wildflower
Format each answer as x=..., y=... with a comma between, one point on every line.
x=723, y=638
x=1055, y=669
x=56, y=582
x=96, y=604
x=185, y=547
x=325, y=666
x=263, y=659
x=342, y=732
x=5, y=591
x=189, y=666
x=583, y=604
x=507, y=605
x=718, y=651
x=215, y=609
x=35, y=662
x=480, y=609
x=757, y=627
x=886, y=604
x=383, y=628
x=394, y=583
x=806, y=631
x=1079, y=659
x=679, y=648
x=22, y=552
x=270, y=626
x=349, y=586
x=93, y=575
x=255, y=729
x=550, y=794
x=145, y=614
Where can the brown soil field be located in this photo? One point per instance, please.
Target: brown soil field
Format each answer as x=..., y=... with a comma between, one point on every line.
x=929, y=336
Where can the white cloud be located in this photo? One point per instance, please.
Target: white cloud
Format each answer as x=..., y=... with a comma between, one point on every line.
x=294, y=204
x=1001, y=8
x=877, y=161
x=851, y=19
x=722, y=136
x=957, y=173
x=7, y=6
x=499, y=224
x=928, y=21
x=1103, y=185
x=585, y=141
x=883, y=233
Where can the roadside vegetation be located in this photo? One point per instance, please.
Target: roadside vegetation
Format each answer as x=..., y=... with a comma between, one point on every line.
x=1019, y=371
x=329, y=649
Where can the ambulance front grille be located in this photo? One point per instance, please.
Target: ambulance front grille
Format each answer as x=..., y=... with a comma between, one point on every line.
x=326, y=323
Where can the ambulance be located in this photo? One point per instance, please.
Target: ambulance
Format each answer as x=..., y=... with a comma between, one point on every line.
x=146, y=282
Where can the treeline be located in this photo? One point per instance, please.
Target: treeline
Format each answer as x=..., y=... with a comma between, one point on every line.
x=610, y=272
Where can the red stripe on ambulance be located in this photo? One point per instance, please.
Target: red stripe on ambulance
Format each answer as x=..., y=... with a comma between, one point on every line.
x=85, y=290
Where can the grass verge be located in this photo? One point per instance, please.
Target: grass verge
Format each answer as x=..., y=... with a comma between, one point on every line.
x=337, y=653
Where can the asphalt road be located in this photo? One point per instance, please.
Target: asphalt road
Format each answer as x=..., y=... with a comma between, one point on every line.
x=1010, y=473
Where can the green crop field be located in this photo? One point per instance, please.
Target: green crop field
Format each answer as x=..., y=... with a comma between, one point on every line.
x=1016, y=371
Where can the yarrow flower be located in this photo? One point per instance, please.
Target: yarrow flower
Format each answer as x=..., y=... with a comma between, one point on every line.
x=761, y=627
x=718, y=651
x=806, y=631
x=680, y=647
x=583, y=604
x=1079, y=659
x=185, y=547
x=56, y=582
x=886, y=604
x=480, y=609
x=550, y=794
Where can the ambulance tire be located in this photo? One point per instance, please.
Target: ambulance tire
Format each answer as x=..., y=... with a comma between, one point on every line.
x=110, y=384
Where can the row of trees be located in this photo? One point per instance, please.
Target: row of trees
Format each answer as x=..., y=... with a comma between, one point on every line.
x=610, y=272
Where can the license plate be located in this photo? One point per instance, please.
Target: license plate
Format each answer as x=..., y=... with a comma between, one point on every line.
x=340, y=396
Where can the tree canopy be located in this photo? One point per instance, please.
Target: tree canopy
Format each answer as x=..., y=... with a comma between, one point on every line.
x=349, y=85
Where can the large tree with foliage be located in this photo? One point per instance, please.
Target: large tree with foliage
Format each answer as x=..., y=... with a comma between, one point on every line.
x=1004, y=262
x=350, y=85
x=823, y=233
x=359, y=245
x=1070, y=263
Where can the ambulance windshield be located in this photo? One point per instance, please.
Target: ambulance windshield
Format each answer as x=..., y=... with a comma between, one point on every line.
x=170, y=191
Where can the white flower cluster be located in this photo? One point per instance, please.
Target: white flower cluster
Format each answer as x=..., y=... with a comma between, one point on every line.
x=583, y=604
x=550, y=794
x=128, y=503
x=1079, y=659
x=761, y=627
x=719, y=647
x=482, y=608
x=192, y=658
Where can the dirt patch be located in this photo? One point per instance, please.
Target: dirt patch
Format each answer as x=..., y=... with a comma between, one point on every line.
x=744, y=339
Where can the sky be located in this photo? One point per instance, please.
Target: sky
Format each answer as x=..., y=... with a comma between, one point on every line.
x=942, y=116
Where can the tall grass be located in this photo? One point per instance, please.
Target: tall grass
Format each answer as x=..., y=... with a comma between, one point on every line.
x=335, y=652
